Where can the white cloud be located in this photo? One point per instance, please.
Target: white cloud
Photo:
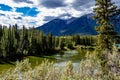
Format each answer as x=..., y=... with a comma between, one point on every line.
x=44, y=12
x=69, y=1
x=8, y=17
x=75, y=10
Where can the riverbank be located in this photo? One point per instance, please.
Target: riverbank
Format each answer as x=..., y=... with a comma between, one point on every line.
x=59, y=58
x=89, y=68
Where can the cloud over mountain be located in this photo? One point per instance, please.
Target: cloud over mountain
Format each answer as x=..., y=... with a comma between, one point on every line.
x=39, y=12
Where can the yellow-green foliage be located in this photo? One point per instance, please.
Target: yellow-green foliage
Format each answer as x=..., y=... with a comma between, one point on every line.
x=89, y=69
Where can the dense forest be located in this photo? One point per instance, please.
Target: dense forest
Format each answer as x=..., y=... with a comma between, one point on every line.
x=16, y=43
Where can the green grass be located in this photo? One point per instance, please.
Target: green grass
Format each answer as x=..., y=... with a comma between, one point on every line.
x=5, y=66
x=32, y=59
x=36, y=60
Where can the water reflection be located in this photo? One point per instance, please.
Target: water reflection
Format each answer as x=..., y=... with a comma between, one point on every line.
x=73, y=55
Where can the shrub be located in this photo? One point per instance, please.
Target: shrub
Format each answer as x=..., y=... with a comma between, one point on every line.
x=89, y=69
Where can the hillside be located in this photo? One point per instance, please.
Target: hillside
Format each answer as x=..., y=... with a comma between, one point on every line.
x=84, y=25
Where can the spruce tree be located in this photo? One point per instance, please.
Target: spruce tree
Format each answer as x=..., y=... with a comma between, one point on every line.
x=40, y=41
x=16, y=37
x=49, y=41
x=5, y=42
x=105, y=13
x=23, y=43
x=32, y=41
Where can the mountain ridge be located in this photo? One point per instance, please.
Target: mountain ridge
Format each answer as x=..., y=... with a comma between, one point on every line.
x=84, y=25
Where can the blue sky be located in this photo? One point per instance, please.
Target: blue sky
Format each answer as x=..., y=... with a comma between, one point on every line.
x=5, y=7
x=27, y=11
x=38, y=12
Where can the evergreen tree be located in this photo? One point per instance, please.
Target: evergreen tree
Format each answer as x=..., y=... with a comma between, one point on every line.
x=105, y=14
x=5, y=42
x=24, y=42
x=49, y=40
x=53, y=42
x=1, y=32
x=56, y=42
x=32, y=41
x=40, y=43
x=16, y=37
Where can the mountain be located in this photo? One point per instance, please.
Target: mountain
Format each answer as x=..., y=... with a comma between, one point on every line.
x=84, y=25
x=55, y=27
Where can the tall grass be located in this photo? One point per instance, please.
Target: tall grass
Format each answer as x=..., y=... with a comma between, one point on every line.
x=89, y=69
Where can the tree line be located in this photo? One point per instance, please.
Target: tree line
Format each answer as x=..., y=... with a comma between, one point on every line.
x=18, y=42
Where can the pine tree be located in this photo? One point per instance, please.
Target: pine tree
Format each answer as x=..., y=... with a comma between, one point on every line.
x=39, y=41
x=5, y=42
x=23, y=43
x=32, y=41
x=105, y=14
x=1, y=34
x=49, y=40
x=16, y=37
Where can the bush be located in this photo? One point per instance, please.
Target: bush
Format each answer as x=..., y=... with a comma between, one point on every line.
x=89, y=69
x=70, y=46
